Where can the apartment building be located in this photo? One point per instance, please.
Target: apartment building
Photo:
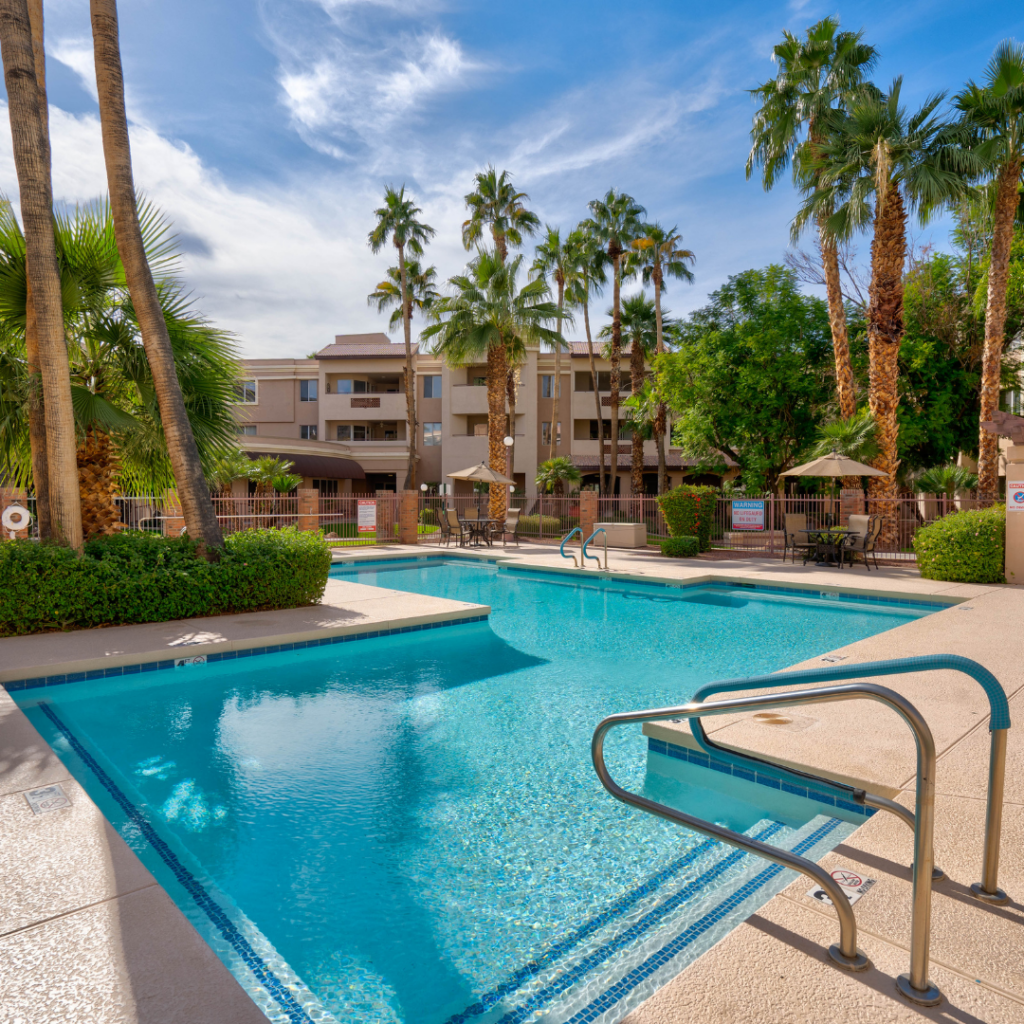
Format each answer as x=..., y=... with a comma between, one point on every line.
x=340, y=417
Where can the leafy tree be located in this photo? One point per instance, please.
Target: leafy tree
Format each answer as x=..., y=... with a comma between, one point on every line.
x=853, y=438
x=496, y=206
x=750, y=377
x=554, y=474
x=397, y=222
x=388, y=293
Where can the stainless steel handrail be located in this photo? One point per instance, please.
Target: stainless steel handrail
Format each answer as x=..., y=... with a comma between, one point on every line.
x=915, y=985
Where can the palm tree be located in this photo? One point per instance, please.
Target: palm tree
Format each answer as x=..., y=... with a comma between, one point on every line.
x=193, y=492
x=657, y=254
x=388, y=293
x=995, y=113
x=853, y=438
x=32, y=163
x=488, y=316
x=495, y=206
x=814, y=77
x=616, y=221
x=878, y=149
x=397, y=222
x=554, y=474
x=585, y=278
x=554, y=258
x=945, y=480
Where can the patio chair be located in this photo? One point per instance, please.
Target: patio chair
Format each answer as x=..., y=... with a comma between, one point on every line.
x=863, y=540
x=458, y=529
x=794, y=540
x=445, y=534
x=471, y=513
x=510, y=528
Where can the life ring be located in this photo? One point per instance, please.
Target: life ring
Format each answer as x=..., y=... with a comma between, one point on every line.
x=16, y=518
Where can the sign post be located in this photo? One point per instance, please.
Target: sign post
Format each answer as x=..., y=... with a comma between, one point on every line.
x=1015, y=514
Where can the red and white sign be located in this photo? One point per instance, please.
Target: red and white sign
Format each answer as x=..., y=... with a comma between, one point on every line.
x=853, y=885
x=366, y=516
x=748, y=515
x=1015, y=496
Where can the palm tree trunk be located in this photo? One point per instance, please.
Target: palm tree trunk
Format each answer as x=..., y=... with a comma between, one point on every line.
x=193, y=492
x=597, y=399
x=410, y=374
x=511, y=387
x=636, y=367
x=845, y=390
x=497, y=371
x=616, y=351
x=662, y=414
x=97, y=467
x=556, y=394
x=885, y=332
x=995, y=322
x=32, y=163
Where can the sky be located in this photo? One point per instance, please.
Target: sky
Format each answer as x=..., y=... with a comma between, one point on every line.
x=266, y=130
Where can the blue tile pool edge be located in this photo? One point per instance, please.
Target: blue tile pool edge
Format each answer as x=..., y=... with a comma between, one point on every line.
x=249, y=652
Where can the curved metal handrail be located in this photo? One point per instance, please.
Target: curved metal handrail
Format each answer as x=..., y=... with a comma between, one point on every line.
x=600, y=529
x=561, y=549
x=915, y=985
x=987, y=889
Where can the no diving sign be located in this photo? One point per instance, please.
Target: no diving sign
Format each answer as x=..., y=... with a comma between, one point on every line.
x=852, y=883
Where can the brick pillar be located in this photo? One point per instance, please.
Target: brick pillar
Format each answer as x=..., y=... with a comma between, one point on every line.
x=851, y=503
x=174, y=521
x=588, y=512
x=408, y=517
x=13, y=496
x=385, y=517
x=309, y=509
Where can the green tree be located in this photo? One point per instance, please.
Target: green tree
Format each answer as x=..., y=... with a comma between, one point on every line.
x=853, y=438
x=815, y=75
x=554, y=474
x=388, y=293
x=750, y=377
x=615, y=221
x=397, y=223
x=487, y=315
x=496, y=207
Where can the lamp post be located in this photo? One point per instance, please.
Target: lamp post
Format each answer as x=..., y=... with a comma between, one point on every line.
x=508, y=442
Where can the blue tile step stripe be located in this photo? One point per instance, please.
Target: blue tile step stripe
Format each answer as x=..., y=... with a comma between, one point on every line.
x=156, y=666
x=763, y=775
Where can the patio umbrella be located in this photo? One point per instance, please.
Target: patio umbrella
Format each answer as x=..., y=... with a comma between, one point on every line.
x=483, y=473
x=833, y=465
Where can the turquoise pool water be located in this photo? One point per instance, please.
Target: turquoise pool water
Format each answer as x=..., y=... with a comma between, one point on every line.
x=408, y=829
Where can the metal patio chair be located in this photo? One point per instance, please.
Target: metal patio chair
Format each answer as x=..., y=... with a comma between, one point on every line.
x=864, y=540
x=794, y=540
x=460, y=529
x=510, y=528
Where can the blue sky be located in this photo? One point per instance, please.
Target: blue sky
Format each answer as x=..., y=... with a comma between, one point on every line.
x=266, y=129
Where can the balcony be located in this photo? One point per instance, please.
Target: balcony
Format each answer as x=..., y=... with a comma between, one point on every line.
x=387, y=406
x=468, y=400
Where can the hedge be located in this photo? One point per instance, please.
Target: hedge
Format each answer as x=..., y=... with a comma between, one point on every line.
x=532, y=525
x=680, y=547
x=690, y=512
x=140, y=577
x=964, y=547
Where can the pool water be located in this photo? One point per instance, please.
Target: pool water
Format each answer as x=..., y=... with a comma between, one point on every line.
x=408, y=829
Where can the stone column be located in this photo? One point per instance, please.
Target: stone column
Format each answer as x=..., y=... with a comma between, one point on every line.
x=408, y=517
x=1015, y=514
x=385, y=517
x=13, y=496
x=309, y=509
x=588, y=512
x=174, y=521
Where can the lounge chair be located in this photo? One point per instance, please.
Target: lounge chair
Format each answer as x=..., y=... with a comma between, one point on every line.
x=864, y=539
x=459, y=529
x=510, y=528
x=794, y=540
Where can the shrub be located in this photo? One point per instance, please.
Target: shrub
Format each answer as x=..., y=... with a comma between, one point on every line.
x=427, y=516
x=140, y=577
x=690, y=512
x=532, y=524
x=680, y=547
x=964, y=547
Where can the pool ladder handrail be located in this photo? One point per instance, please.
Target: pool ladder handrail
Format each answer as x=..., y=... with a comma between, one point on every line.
x=915, y=985
x=600, y=529
x=561, y=548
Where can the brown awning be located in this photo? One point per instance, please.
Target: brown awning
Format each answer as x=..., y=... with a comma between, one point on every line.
x=321, y=467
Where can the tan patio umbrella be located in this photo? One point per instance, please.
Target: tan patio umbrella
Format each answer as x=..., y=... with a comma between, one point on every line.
x=833, y=465
x=483, y=473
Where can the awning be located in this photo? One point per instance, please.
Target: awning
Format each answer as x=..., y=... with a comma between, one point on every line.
x=320, y=467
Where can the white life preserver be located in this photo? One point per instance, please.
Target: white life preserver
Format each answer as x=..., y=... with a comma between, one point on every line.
x=16, y=518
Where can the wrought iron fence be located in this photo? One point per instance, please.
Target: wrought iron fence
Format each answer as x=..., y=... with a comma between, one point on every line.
x=359, y=520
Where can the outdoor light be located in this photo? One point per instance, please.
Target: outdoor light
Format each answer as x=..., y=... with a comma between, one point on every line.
x=423, y=487
x=508, y=441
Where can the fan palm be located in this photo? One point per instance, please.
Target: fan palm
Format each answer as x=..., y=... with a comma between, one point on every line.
x=554, y=474
x=815, y=75
x=615, y=220
x=656, y=253
x=182, y=449
x=487, y=315
x=388, y=293
x=397, y=222
x=496, y=206
x=994, y=111
x=945, y=480
x=853, y=438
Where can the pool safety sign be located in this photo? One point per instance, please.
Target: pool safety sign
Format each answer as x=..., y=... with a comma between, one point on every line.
x=851, y=882
x=366, y=516
x=1015, y=497
x=748, y=515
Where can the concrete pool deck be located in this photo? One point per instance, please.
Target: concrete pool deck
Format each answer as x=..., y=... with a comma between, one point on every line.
x=86, y=933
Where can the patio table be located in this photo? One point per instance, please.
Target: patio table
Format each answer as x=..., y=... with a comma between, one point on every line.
x=481, y=529
x=828, y=544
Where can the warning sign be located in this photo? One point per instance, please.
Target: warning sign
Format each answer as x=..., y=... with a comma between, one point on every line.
x=852, y=883
x=1015, y=496
x=366, y=516
x=748, y=515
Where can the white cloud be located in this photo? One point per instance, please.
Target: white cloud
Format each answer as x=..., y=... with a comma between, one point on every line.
x=76, y=53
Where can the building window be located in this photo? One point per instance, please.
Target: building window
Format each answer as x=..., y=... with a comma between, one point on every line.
x=431, y=433
x=1010, y=401
x=327, y=488
x=432, y=386
x=585, y=382
x=547, y=385
x=607, y=429
x=347, y=386
x=247, y=429
x=545, y=434
x=245, y=391
x=480, y=382
x=307, y=390
x=307, y=433
x=344, y=432
x=359, y=433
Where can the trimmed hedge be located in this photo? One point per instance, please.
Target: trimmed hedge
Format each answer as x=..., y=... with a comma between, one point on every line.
x=690, y=512
x=140, y=577
x=680, y=547
x=964, y=547
x=532, y=524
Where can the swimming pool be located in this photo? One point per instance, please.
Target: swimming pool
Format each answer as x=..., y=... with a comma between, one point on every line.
x=408, y=828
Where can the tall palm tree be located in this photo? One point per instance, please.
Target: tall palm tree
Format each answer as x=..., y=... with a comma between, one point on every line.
x=657, y=254
x=616, y=221
x=876, y=148
x=553, y=259
x=487, y=315
x=586, y=276
x=32, y=164
x=193, y=491
x=388, y=293
x=397, y=222
x=496, y=206
x=815, y=74
x=995, y=113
